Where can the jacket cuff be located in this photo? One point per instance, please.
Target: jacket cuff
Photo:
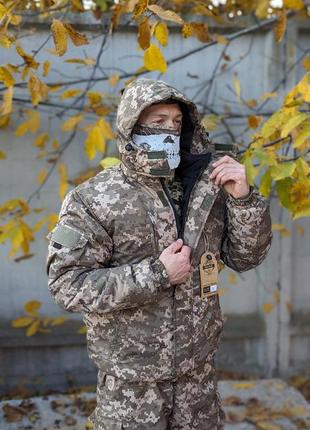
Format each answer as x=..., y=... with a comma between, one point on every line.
x=243, y=201
x=160, y=273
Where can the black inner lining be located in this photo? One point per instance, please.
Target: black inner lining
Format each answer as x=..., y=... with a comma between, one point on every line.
x=189, y=170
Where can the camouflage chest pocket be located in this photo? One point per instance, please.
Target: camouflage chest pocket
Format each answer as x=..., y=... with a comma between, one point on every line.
x=67, y=236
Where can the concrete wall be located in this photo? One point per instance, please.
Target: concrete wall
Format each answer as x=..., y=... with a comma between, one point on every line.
x=253, y=341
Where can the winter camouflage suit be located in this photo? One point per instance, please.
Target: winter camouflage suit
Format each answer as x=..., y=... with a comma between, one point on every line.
x=154, y=343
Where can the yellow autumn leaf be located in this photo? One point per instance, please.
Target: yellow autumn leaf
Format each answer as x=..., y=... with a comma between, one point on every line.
x=113, y=80
x=2, y=155
x=85, y=61
x=105, y=128
x=254, y=121
x=283, y=170
x=12, y=204
x=6, y=77
x=38, y=89
x=40, y=140
x=167, y=15
x=294, y=4
x=139, y=7
x=293, y=123
x=82, y=330
x=59, y=320
x=237, y=85
x=94, y=142
x=32, y=307
x=29, y=60
x=154, y=60
x=53, y=218
x=77, y=38
x=161, y=33
x=70, y=93
x=6, y=106
x=60, y=36
x=46, y=68
x=15, y=19
x=302, y=212
x=109, y=162
x=243, y=385
x=261, y=10
x=22, y=322
x=144, y=33
x=3, y=11
x=302, y=136
x=41, y=176
x=280, y=27
x=71, y=122
x=268, y=307
x=220, y=38
x=31, y=125
x=17, y=239
x=77, y=5
x=303, y=87
x=33, y=328
x=197, y=29
x=63, y=185
x=5, y=40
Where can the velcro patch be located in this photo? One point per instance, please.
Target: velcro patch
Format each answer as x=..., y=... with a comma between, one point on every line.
x=66, y=236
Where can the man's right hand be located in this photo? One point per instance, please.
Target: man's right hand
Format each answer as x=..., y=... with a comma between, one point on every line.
x=176, y=259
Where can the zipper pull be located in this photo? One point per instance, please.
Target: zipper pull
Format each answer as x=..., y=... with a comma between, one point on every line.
x=153, y=217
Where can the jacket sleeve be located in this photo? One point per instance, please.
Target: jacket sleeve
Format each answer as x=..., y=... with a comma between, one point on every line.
x=77, y=264
x=248, y=234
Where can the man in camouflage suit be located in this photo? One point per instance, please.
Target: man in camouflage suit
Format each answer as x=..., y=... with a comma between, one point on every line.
x=114, y=257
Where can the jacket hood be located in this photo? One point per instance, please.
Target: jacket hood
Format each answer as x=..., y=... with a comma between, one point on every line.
x=140, y=94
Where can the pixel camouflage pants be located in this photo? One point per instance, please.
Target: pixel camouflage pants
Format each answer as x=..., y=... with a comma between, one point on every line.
x=189, y=403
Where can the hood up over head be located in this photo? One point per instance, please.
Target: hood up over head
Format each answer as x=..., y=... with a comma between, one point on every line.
x=140, y=94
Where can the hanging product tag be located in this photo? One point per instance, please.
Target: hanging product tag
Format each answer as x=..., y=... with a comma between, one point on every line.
x=208, y=275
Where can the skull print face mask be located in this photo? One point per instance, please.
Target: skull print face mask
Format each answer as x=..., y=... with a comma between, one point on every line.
x=159, y=139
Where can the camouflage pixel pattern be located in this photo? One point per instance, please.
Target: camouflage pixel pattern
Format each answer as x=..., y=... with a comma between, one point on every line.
x=141, y=331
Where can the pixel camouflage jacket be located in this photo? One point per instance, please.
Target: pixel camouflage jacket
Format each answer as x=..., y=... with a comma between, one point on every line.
x=103, y=253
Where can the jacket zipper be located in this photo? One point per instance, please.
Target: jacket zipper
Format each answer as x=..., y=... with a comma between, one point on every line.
x=188, y=200
x=180, y=233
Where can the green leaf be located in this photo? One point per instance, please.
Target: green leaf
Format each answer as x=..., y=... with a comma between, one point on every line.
x=283, y=190
x=283, y=170
x=251, y=170
x=265, y=183
x=265, y=158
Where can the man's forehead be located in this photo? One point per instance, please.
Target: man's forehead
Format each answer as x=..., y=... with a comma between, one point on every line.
x=163, y=108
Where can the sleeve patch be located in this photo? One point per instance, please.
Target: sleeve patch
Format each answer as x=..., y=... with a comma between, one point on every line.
x=67, y=236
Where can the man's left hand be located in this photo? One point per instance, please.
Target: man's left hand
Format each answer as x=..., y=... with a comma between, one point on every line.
x=231, y=175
